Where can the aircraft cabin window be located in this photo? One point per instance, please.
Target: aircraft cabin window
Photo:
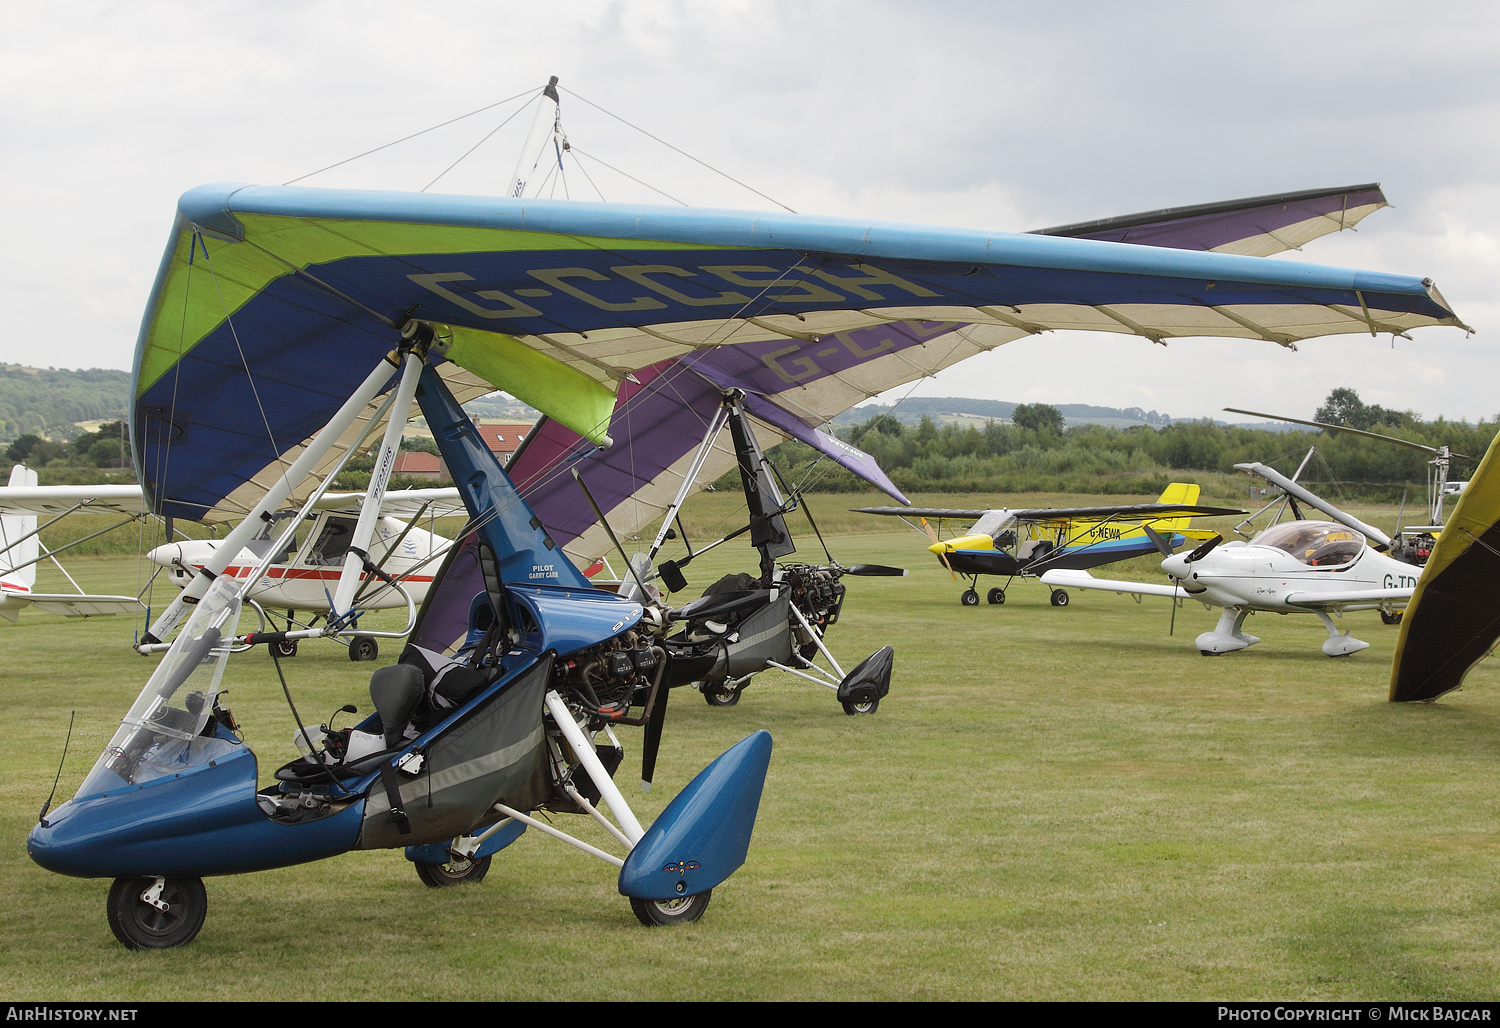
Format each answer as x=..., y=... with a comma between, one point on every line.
x=269, y=533
x=1315, y=543
x=333, y=542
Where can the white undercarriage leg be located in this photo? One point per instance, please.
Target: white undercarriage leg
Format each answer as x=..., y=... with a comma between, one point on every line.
x=1339, y=644
x=1226, y=636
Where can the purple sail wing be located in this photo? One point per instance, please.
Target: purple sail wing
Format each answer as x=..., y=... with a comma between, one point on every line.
x=659, y=422
x=1257, y=226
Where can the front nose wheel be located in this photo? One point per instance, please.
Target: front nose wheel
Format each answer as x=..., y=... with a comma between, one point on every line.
x=156, y=913
x=673, y=911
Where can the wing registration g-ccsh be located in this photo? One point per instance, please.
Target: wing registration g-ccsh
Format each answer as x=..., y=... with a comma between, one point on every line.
x=273, y=302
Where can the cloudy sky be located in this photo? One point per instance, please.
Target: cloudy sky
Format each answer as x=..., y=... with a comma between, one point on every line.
x=992, y=115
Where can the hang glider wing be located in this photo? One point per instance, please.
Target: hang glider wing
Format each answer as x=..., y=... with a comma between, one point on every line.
x=272, y=303
x=1084, y=580
x=1256, y=226
x=658, y=425
x=1453, y=619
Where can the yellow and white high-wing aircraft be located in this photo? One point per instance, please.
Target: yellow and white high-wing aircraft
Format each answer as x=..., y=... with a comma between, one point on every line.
x=1026, y=543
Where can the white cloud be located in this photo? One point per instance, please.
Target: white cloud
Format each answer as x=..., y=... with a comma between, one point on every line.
x=1000, y=116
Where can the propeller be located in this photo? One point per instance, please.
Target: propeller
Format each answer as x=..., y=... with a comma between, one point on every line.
x=1161, y=542
x=652, y=741
x=932, y=534
x=875, y=571
x=1204, y=550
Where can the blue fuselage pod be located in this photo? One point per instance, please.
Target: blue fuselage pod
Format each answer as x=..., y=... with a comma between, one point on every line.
x=204, y=821
x=575, y=619
x=703, y=835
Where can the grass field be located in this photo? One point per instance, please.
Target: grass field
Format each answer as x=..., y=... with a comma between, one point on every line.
x=1051, y=803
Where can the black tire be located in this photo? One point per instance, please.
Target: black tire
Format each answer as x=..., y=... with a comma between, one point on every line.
x=1391, y=619
x=139, y=925
x=285, y=648
x=457, y=871
x=996, y=596
x=652, y=913
x=1059, y=598
x=1210, y=653
x=721, y=694
x=969, y=598
x=362, y=648
x=852, y=707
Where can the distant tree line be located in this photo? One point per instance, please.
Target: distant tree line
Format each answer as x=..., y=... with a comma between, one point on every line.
x=48, y=402
x=1035, y=453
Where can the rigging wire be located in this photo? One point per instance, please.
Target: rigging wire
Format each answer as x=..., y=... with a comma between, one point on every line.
x=476, y=146
x=414, y=135
x=684, y=153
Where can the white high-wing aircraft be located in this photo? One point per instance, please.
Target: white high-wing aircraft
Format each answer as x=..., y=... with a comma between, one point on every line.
x=304, y=574
x=1315, y=567
x=300, y=579
x=21, y=548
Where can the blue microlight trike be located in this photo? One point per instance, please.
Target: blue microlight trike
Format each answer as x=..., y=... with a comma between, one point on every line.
x=502, y=705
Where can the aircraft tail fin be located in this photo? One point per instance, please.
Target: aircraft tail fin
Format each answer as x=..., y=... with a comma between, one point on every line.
x=1185, y=493
x=14, y=527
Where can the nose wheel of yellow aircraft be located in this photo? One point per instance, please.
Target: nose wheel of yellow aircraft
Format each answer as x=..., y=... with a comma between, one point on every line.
x=996, y=596
x=969, y=598
x=1059, y=598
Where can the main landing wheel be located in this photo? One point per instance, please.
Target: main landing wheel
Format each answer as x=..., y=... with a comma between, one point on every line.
x=1059, y=598
x=285, y=648
x=996, y=596
x=970, y=598
x=1387, y=618
x=673, y=911
x=362, y=648
x=143, y=916
x=852, y=707
x=721, y=694
x=457, y=871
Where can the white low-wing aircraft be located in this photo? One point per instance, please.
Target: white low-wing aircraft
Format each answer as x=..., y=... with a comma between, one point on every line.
x=300, y=579
x=1317, y=567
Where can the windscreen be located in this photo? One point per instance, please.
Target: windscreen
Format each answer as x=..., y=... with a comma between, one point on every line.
x=163, y=733
x=1314, y=543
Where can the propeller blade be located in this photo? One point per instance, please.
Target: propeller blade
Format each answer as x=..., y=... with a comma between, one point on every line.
x=1204, y=550
x=1172, y=627
x=652, y=741
x=875, y=571
x=932, y=534
x=1161, y=542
